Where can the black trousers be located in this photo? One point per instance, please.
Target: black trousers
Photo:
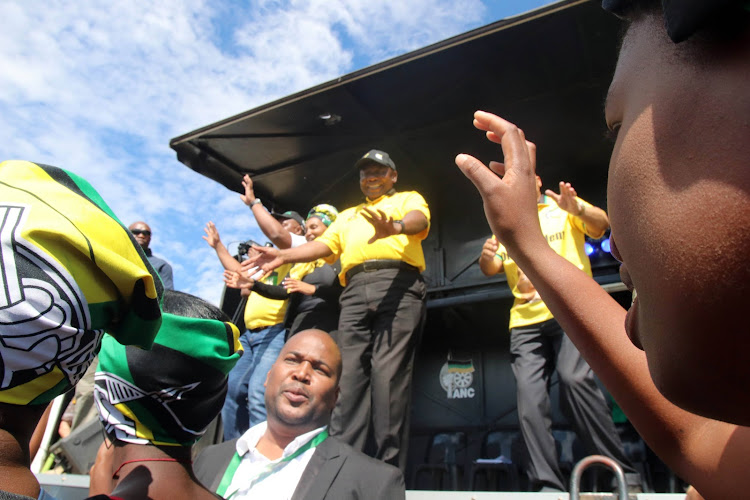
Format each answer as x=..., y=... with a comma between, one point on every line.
x=536, y=351
x=381, y=321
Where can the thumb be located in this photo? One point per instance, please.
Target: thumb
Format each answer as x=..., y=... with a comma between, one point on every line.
x=552, y=194
x=477, y=172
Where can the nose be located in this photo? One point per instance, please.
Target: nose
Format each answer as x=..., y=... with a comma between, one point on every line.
x=302, y=372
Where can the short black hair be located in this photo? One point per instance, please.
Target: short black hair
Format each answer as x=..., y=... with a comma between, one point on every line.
x=190, y=306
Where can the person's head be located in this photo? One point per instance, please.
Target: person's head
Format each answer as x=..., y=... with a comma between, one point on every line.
x=679, y=199
x=303, y=384
x=167, y=396
x=377, y=173
x=318, y=219
x=292, y=222
x=142, y=233
x=71, y=272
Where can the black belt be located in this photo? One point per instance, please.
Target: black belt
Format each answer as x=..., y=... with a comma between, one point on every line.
x=378, y=264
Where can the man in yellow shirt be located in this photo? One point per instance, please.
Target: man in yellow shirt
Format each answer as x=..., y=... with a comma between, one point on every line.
x=538, y=345
x=379, y=243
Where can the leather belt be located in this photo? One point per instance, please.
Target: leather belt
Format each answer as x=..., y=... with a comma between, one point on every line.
x=378, y=264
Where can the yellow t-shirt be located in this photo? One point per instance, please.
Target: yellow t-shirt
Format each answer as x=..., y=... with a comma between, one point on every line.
x=565, y=233
x=348, y=236
x=260, y=311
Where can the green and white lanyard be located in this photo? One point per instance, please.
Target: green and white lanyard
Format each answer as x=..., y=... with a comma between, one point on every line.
x=269, y=469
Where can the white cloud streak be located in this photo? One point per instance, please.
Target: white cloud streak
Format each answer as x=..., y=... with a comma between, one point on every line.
x=100, y=87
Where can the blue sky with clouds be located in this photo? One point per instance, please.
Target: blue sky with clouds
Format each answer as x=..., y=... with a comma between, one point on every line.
x=100, y=87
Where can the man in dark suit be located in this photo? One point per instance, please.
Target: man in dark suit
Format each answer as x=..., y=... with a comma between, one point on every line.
x=291, y=456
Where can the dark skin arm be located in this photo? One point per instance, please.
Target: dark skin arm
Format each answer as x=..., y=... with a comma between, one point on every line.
x=267, y=223
x=269, y=258
x=708, y=453
x=414, y=222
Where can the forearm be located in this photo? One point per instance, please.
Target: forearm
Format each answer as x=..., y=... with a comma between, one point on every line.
x=272, y=228
x=276, y=292
x=596, y=220
x=691, y=445
x=414, y=222
x=226, y=259
x=308, y=252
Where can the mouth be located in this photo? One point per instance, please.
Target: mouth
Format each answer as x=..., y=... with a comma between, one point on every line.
x=295, y=394
x=631, y=318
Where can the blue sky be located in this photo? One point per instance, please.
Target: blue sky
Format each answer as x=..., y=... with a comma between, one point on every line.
x=100, y=87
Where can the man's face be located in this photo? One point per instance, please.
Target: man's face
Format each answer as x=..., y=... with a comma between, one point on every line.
x=302, y=385
x=375, y=180
x=292, y=226
x=142, y=233
x=680, y=211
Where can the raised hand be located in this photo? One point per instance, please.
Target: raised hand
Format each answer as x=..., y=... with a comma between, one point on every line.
x=508, y=189
x=295, y=285
x=566, y=199
x=382, y=223
x=212, y=235
x=267, y=258
x=233, y=279
x=489, y=249
x=249, y=195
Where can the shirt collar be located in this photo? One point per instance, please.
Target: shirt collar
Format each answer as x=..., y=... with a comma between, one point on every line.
x=147, y=251
x=249, y=440
x=391, y=192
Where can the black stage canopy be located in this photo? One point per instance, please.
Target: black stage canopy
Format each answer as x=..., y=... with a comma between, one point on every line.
x=547, y=70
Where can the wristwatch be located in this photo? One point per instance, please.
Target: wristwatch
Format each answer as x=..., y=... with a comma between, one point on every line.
x=256, y=201
x=403, y=226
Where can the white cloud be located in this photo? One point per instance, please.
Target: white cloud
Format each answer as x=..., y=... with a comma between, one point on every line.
x=100, y=87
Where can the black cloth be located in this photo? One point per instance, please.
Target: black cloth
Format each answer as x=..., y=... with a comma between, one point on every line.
x=336, y=471
x=382, y=316
x=319, y=310
x=7, y=495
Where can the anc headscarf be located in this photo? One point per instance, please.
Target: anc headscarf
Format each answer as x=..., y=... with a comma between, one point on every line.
x=169, y=395
x=69, y=270
x=326, y=213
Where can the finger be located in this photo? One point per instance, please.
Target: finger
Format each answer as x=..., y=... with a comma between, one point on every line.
x=497, y=167
x=476, y=171
x=531, y=148
x=511, y=138
x=552, y=195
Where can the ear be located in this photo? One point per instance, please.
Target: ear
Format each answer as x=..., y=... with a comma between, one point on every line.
x=394, y=175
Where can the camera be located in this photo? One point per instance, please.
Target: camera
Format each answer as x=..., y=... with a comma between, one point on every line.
x=244, y=247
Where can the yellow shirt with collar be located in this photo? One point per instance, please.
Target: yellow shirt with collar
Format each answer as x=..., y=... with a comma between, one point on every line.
x=565, y=233
x=348, y=236
x=260, y=311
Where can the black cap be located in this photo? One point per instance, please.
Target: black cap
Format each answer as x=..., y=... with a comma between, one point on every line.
x=290, y=215
x=375, y=156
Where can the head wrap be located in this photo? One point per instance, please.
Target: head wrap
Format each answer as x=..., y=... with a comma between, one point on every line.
x=69, y=270
x=169, y=395
x=326, y=213
x=682, y=18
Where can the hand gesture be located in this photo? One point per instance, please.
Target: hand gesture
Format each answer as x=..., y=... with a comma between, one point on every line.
x=233, y=279
x=249, y=195
x=267, y=258
x=212, y=235
x=489, y=249
x=507, y=189
x=295, y=285
x=566, y=199
x=382, y=223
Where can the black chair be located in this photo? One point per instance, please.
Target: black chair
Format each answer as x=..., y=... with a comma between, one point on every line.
x=444, y=461
x=501, y=474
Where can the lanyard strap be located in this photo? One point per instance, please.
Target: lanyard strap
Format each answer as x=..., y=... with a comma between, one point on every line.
x=269, y=469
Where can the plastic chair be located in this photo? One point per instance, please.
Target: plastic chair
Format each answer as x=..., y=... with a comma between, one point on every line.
x=500, y=474
x=444, y=461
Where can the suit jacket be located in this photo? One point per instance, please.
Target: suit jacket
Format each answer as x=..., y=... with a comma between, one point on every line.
x=336, y=471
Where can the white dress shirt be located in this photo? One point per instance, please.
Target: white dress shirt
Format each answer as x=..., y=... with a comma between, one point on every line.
x=282, y=482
